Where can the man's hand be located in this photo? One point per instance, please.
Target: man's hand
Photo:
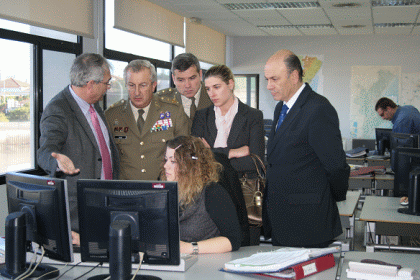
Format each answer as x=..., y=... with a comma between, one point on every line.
x=205, y=142
x=75, y=238
x=65, y=164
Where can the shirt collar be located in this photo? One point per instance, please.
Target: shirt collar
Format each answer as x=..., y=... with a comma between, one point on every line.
x=292, y=100
x=186, y=100
x=396, y=114
x=83, y=105
x=135, y=110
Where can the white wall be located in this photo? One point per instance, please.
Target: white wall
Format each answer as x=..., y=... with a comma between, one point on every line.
x=246, y=55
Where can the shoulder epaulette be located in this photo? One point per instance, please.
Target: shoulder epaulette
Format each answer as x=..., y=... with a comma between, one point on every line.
x=118, y=103
x=169, y=99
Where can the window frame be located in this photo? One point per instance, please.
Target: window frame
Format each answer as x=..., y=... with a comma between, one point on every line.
x=257, y=88
x=39, y=44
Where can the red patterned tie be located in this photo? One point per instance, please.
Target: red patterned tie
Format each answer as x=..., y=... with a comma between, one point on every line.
x=106, y=159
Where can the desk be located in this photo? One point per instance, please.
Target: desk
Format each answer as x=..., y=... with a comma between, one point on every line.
x=406, y=260
x=378, y=162
x=347, y=209
x=361, y=183
x=382, y=218
x=206, y=268
x=384, y=182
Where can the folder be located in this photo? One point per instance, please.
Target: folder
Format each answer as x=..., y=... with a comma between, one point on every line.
x=305, y=269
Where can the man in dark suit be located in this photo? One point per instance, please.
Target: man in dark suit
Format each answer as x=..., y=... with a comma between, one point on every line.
x=307, y=171
x=187, y=76
x=75, y=141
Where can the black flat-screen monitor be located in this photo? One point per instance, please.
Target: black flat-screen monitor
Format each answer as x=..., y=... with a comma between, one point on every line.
x=365, y=143
x=406, y=166
x=151, y=207
x=405, y=140
x=383, y=139
x=38, y=206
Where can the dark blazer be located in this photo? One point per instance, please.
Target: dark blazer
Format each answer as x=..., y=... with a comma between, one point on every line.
x=230, y=181
x=65, y=130
x=247, y=129
x=307, y=174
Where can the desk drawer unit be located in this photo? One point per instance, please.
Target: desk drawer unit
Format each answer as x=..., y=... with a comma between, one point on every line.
x=384, y=184
x=356, y=183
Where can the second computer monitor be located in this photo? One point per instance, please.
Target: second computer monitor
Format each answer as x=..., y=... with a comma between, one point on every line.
x=151, y=207
x=383, y=138
x=405, y=140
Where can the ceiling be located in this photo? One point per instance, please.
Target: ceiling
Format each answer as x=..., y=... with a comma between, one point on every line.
x=301, y=17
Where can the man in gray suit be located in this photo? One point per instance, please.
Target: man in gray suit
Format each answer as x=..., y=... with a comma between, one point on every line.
x=75, y=141
x=190, y=90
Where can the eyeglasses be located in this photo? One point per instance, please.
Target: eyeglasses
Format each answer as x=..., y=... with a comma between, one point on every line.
x=108, y=84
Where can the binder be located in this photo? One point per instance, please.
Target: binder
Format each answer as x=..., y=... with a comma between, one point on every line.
x=306, y=268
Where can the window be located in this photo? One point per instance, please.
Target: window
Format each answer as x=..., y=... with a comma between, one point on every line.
x=247, y=89
x=16, y=97
x=33, y=70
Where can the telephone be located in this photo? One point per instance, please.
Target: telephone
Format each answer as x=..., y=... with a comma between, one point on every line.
x=369, y=271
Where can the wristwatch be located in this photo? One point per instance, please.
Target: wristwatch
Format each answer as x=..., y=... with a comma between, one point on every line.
x=195, y=248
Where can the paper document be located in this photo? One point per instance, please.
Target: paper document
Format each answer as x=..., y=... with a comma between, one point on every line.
x=277, y=260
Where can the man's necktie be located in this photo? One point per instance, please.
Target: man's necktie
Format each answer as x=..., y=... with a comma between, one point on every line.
x=106, y=158
x=283, y=113
x=193, y=108
x=140, y=120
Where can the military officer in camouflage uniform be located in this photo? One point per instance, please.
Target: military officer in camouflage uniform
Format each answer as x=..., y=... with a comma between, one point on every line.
x=142, y=124
x=187, y=75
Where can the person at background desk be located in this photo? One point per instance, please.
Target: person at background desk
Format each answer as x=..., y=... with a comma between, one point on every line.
x=307, y=171
x=190, y=91
x=405, y=119
x=230, y=126
x=75, y=142
x=208, y=221
x=142, y=124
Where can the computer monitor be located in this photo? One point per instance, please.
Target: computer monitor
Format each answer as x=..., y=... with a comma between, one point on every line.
x=404, y=140
x=383, y=138
x=151, y=207
x=38, y=206
x=365, y=143
x=407, y=169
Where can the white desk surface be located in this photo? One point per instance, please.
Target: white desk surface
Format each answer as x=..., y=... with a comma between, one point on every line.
x=405, y=260
x=206, y=268
x=384, y=209
x=348, y=206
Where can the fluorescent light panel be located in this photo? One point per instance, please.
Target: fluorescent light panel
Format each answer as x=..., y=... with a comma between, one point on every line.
x=395, y=3
x=314, y=26
x=267, y=6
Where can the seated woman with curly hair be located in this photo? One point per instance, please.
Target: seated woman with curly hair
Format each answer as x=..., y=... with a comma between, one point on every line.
x=208, y=220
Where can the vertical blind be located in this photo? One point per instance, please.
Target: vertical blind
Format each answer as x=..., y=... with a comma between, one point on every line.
x=207, y=44
x=74, y=16
x=150, y=20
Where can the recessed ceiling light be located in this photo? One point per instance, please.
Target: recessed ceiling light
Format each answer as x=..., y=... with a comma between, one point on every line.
x=346, y=5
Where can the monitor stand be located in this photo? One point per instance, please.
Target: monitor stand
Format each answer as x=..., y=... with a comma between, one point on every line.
x=15, y=233
x=120, y=254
